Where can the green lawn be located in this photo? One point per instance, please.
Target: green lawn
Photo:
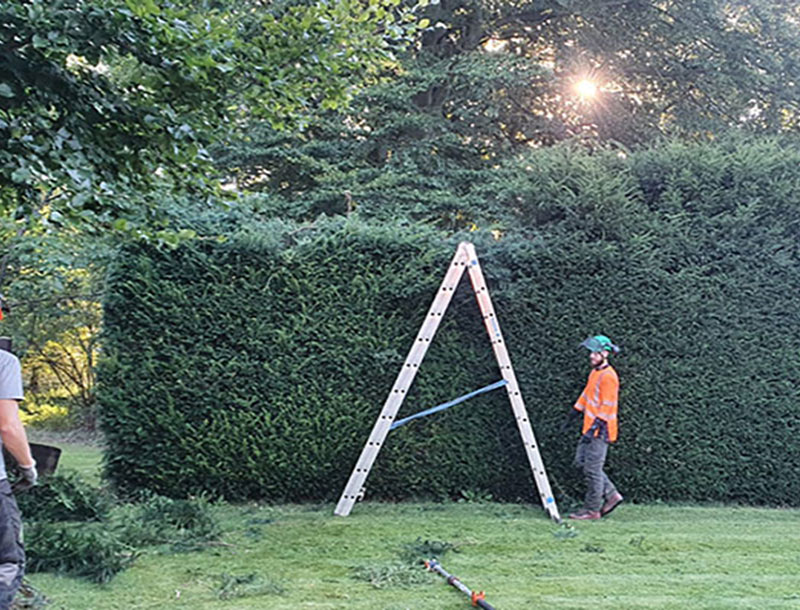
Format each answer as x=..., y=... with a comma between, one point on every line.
x=289, y=557
x=83, y=459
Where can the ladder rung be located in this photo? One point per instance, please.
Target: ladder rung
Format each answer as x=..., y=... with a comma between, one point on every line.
x=447, y=405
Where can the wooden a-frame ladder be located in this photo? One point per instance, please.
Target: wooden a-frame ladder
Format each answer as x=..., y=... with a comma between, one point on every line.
x=464, y=259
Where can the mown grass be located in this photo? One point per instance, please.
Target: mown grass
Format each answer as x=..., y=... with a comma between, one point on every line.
x=289, y=557
x=81, y=459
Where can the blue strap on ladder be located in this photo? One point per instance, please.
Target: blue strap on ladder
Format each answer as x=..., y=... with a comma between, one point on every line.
x=447, y=405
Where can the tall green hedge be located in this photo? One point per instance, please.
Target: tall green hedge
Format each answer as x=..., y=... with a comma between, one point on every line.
x=255, y=368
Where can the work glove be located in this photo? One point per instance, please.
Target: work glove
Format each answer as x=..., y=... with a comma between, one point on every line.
x=27, y=479
x=569, y=420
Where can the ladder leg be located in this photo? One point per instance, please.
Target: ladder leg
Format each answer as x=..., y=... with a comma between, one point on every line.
x=404, y=379
x=517, y=404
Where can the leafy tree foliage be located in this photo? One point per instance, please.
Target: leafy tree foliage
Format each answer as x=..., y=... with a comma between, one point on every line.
x=54, y=284
x=490, y=81
x=105, y=103
x=659, y=67
x=385, y=158
x=106, y=107
x=500, y=75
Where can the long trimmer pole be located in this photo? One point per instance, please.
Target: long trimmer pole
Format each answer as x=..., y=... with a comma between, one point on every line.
x=476, y=598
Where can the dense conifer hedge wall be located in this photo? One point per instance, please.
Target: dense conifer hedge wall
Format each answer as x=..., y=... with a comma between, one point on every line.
x=256, y=367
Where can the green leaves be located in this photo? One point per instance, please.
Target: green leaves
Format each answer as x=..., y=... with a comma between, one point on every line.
x=74, y=529
x=143, y=8
x=21, y=175
x=121, y=99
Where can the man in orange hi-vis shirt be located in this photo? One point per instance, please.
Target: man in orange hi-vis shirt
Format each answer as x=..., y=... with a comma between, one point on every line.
x=598, y=404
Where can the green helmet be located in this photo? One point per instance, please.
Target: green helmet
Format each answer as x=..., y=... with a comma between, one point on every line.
x=600, y=343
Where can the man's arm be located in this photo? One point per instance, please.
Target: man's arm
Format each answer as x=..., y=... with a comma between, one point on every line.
x=13, y=433
x=609, y=392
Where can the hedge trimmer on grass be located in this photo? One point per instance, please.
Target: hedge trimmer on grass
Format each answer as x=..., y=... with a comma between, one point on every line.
x=477, y=599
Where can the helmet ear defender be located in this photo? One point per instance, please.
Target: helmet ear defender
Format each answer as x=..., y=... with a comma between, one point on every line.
x=600, y=343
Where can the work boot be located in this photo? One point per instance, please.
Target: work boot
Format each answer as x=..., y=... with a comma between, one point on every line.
x=613, y=501
x=583, y=515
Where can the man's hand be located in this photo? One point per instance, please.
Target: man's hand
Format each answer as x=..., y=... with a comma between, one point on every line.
x=569, y=419
x=28, y=477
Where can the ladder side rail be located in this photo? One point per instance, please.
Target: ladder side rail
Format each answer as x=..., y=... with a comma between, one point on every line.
x=515, y=396
x=402, y=383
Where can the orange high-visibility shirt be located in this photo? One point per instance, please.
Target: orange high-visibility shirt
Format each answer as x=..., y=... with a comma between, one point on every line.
x=599, y=400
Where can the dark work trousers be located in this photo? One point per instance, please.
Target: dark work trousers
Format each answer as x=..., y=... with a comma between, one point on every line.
x=591, y=457
x=12, y=555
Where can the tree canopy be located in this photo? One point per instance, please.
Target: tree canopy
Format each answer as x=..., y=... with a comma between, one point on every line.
x=625, y=71
x=106, y=104
x=107, y=108
x=112, y=111
x=490, y=81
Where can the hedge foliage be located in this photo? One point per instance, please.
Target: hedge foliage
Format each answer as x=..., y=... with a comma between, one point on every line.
x=256, y=367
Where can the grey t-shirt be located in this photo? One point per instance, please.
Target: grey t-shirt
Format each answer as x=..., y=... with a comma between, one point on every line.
x=10, y=376
x=10, y=388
